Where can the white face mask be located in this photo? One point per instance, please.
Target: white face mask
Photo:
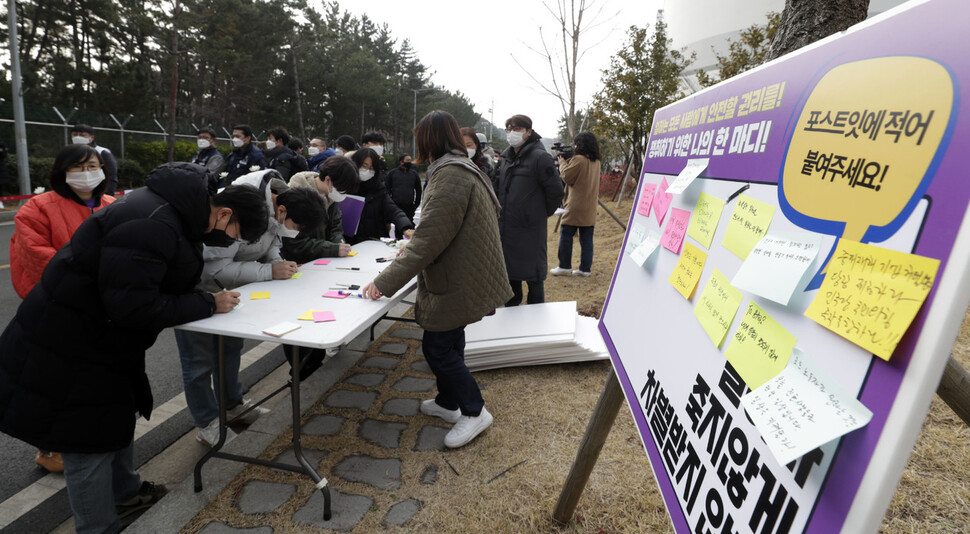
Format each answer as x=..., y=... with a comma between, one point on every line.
x=79, y=140
x=313, y=151
x=471, y=152
x=377, y=148
x=366, y=174
x=203, y=143
x=237, y=142
x=85, y=181
x=270, y=145
x=287, y=232
x=336, y=196
x=339, y=152
x=516, y=139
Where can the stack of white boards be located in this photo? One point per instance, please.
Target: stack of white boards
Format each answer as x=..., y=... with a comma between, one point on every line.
x=535, y=334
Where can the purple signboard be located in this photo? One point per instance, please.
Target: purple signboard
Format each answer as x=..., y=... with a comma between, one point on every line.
x=858, y=138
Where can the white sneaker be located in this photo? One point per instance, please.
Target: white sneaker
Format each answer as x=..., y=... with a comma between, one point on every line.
x=250, y=416
x=209, y=435
x=467, y=428
x=559, y=271
x=577, y=272
x=432, y=408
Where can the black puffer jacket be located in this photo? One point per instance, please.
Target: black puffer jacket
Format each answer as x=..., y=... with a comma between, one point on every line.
x=72, y=361
x=285, y=161
x=379, y=211
x=529, y=189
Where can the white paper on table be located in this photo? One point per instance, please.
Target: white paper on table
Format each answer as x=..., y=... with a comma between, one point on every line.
x=802, y=408
x=637, y=233
x=646, y=248
x=692, y=170
x=777, y=264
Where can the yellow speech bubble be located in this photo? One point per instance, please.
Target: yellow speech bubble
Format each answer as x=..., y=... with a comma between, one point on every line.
x=866, y=145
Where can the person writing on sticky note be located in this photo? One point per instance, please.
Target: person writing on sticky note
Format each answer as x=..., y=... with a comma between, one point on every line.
x=326, y=240
x=232, y=264
x=72, y=360
x=456, y=253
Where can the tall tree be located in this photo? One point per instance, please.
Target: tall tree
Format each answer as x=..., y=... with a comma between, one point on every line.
x=806, y=21
x=642, y=78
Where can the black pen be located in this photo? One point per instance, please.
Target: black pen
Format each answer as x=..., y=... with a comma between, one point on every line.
x=218, y=283
x=348, y=268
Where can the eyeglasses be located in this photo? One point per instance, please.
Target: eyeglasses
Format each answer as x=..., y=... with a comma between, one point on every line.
x=511, y=129
x=86, y=166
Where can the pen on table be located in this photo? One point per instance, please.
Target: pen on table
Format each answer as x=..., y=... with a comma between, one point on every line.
x=358, y=295
x=348, y=268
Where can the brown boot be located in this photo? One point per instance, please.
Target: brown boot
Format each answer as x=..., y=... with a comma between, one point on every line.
x=50, y=461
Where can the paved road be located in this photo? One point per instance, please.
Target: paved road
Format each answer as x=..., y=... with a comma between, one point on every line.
x=17, y=467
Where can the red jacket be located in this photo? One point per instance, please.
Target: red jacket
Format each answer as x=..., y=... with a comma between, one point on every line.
x=43, y=225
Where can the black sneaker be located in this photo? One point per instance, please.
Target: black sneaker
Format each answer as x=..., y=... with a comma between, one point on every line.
x=148, y=494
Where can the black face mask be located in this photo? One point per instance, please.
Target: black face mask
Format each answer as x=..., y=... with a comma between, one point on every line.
x=217, y=238
x=407, y=166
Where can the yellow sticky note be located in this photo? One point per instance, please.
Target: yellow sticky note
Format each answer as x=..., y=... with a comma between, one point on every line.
x=296, y=275
x=703, y=222
x=749, y=223
x=717, y=307
x=352, y=253
x=761, y=347
x=259, y=295
x=308, y=316
x=870, y=294
x=688, y=270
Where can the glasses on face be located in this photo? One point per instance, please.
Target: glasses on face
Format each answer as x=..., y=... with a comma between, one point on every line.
x=511, y=129
x=84, y=167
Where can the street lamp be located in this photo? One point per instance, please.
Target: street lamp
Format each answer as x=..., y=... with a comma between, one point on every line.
x=414, y=123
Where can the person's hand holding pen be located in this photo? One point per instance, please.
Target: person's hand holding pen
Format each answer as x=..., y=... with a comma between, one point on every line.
x=370, y=291
x=283, y=270
x=343, y=250
x=225, y=300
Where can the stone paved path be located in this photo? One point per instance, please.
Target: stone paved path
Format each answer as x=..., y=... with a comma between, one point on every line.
x=359, y=435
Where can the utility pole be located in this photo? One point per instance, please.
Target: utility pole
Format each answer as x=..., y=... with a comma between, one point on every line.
x=20, y=127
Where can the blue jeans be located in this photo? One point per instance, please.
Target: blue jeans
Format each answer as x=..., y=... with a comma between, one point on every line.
x=566, y=233
x=95, y=482
x=537, y=292
x=199, y=354
x=457, y=389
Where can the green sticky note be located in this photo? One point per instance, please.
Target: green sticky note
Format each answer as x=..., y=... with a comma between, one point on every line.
x=749, y=223
x=760, y=348
x=717, y=307
x=703, y=222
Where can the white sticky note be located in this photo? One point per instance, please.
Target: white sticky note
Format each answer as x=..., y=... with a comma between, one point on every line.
x=776, y=265
x=802, y=408
x=692, y=170
x=646, y=248
x=281, y=329
x=637, y=233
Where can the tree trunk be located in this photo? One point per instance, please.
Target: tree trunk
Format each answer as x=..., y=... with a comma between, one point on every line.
x=296, y=93
x=806, y=21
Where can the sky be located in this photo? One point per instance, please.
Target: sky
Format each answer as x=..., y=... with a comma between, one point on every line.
x=469, y=47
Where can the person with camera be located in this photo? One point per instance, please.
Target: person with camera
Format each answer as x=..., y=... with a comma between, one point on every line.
x=529, y=191
x=580, y=170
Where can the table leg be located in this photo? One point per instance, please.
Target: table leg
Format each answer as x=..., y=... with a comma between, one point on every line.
x=298, y=429
x=220, y=342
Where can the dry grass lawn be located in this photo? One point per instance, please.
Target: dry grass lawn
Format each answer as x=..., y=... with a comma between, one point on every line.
x=540, y=416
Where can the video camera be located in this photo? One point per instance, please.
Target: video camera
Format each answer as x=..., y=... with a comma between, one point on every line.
x=563, y=151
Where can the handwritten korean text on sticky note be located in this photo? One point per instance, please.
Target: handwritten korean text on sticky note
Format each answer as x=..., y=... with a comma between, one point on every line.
x=802, y=408
x=688, y=270
x=259, y=295
x=646, y=248
x=675, y=230
x=691, y=171
x=703, y=222
x=776, y=265
x=717, y=307
x=646, y=199
x=760, y=348
x=871, y=294
x=661, y=201
x=749, y=223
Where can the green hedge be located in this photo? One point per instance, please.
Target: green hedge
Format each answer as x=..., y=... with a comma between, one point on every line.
x=152, y=154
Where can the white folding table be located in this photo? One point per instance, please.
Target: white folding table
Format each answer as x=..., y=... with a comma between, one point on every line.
x=288, y=300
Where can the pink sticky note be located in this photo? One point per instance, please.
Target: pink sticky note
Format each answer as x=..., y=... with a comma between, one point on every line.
x=676, y=228
x=323, y=316
x=646, y=199
x=661, y=201
x=322, y=262
x=336, y=295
